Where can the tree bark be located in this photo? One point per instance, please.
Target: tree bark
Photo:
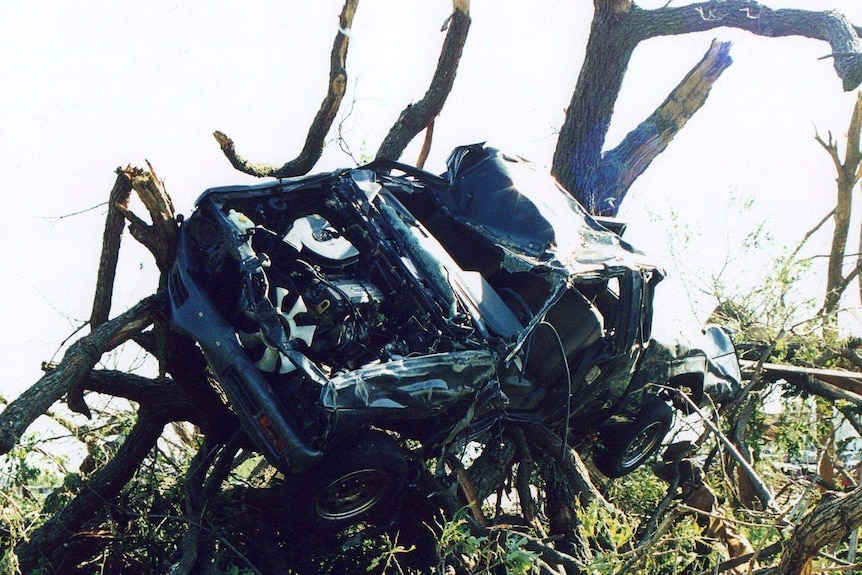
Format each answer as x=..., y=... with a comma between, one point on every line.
x=588, y=117
x=830, y=521
x=619, y=26
x=314, y=141
x=566, y=481
x=420, y=115
x=77, y=362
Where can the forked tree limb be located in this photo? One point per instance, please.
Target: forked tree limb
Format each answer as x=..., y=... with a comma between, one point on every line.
x=419, y=115
x=118, y=205
x=77, y=362
x=160, y=237
x=566, y=483
x=316, y=137
x=849, y=172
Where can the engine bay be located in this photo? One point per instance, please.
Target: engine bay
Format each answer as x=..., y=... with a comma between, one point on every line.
x=353, y=280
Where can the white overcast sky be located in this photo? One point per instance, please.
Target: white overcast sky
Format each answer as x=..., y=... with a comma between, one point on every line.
x=86, y=87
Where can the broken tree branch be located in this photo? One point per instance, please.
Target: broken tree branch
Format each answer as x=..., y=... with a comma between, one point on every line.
x=522, y=482
x=77, y=362
x=160, y=237
x=620, y=167
x=763, y=492
x=163, y=398
x=313, y=148
x=416, y=117
x=114, y=224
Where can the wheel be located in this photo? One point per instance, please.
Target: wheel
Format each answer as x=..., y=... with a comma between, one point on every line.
x=623, y=449
x=362, y=482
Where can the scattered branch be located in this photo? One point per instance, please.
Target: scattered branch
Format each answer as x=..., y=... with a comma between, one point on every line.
x=760, y=487
x=50, y=540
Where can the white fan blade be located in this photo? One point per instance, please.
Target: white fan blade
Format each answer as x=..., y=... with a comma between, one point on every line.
x=303, y=332
x=269, y=361
x=280, y=294
x=286, y=365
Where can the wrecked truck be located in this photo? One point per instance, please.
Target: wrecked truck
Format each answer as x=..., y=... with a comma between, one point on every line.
x=347, y=314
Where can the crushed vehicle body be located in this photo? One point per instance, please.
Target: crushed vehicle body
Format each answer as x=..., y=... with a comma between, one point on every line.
x=436, y=308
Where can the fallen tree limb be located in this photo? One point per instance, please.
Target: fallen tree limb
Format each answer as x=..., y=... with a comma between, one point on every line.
x=830, y=521
x=163, y=397
x=114, y=224
x=50, y=541
x=77, y=362
x=762, y=491
x=760, y=554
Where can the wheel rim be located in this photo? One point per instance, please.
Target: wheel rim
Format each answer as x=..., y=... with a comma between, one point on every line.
x=642, y=445
x=352, y=494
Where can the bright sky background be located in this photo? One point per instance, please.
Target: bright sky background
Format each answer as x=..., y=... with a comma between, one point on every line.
x=88, y=87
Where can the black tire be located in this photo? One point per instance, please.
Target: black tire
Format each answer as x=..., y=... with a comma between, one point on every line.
x=624, y=448
x=362, y=482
